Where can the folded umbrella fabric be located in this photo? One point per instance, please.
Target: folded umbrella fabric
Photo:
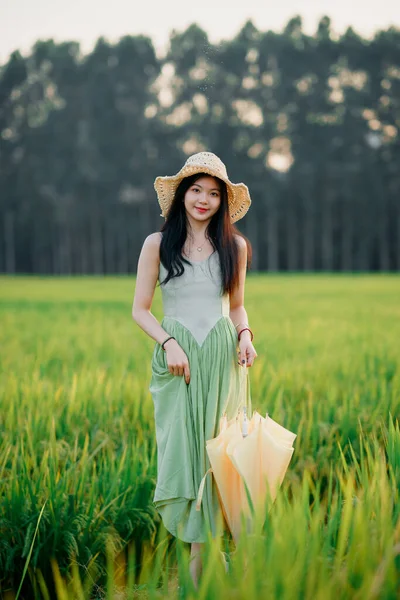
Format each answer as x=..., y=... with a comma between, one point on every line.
x=258, y=460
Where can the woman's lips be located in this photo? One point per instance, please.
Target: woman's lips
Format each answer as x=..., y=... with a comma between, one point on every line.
x=201, y=210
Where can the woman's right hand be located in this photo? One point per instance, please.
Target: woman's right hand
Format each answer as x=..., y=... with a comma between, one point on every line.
x=177, y=360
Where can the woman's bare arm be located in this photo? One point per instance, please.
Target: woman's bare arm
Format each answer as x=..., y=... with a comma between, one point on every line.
x=237, y=311
x=146, y=280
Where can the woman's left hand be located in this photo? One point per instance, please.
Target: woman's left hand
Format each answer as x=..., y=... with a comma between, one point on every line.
x=247, y=353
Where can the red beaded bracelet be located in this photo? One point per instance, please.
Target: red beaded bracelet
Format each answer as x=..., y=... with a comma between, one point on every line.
x=245, y=329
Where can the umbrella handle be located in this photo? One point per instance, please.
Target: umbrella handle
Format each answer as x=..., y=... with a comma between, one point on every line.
x=247, y=394
x=201, y=489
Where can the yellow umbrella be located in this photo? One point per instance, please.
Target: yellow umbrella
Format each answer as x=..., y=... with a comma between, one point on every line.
x=256, y=453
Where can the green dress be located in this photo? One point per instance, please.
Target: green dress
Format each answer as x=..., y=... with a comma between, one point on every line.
x=187, y=415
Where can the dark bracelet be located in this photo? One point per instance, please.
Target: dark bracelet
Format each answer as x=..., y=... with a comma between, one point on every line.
x=171, y=337
x=245, y=329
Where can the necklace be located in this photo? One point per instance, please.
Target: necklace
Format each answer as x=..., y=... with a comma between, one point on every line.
x=198, y=248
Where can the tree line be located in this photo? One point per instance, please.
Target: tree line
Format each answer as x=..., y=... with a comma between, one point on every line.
x=309, y=122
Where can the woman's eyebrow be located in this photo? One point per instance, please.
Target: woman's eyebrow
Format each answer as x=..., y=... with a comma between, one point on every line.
x=211, y=189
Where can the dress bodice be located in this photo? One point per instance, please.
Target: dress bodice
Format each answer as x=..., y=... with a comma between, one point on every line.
x=195, y=299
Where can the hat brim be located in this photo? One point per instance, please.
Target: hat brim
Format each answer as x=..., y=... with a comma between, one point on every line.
x=239, y=200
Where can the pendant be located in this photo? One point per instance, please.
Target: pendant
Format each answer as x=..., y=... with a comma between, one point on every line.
x=199, y=249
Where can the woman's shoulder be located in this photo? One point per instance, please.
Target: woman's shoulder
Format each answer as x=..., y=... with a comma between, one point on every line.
x=153, y=240
x=151, y=248
x=241, y=244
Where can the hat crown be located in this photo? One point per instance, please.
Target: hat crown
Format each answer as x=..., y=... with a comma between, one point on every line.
x=209, y=160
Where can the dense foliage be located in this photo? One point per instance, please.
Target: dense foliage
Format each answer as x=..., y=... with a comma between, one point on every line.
x=310, y=123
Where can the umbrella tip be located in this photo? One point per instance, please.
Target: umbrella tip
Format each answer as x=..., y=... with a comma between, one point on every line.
x=245, y=423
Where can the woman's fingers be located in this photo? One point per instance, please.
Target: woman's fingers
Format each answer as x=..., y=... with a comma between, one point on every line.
x=250, y=358
x=180, y=370
x=173, y=369
x=178, y=363
x=186, y=372
x=246, y=357
x=242, y=356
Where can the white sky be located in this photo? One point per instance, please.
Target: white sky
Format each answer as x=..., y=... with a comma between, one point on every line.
x=22, y=22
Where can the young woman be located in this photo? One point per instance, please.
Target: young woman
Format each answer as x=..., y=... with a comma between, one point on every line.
x=200, y=260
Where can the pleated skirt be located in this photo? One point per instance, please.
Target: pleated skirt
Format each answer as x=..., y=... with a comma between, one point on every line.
x=186, y=416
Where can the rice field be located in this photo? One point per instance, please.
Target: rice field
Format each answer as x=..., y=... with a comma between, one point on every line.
x=78, y=455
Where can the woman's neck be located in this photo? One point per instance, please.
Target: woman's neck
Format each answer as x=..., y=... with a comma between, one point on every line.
x=196, y=229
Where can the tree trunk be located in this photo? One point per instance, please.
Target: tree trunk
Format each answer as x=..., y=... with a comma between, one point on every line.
x=383, y=237
x=252, y=224
x=122, y=245
x=292, y=238
x=272, y=235
x=346, y=245
x=397, y=252
x=363, y=246
x=84, y=248
x=327, y=234
x=96, y=243
x=65, y=249
x=308, y=237
x=110, y=235
x=40, y=258
x=9, y=239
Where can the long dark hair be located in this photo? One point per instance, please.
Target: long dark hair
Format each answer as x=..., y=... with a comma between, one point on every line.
x=220, y=231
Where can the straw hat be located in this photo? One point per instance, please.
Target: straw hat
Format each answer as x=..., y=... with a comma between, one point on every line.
x=204, y=162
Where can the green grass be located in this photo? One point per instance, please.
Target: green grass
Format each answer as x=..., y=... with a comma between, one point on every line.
x=78, y=447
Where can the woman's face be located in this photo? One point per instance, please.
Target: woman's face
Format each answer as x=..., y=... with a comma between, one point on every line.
x=203, y=198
